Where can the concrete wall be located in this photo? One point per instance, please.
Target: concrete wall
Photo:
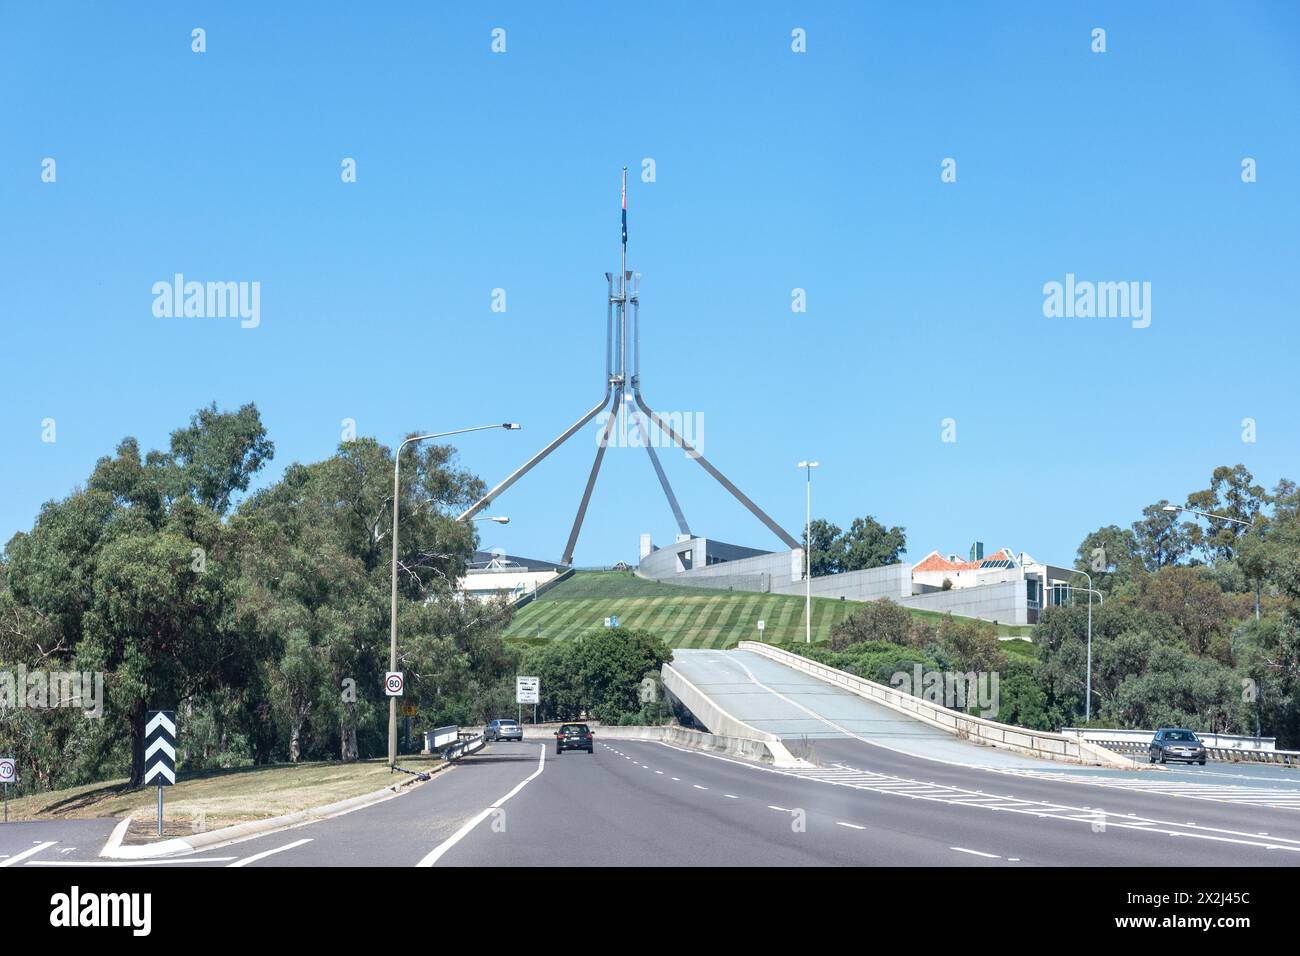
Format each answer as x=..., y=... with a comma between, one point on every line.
x=718, y=722
x=893, y=581
x=1004, y=736
x=1003, y=603
x=761, y=571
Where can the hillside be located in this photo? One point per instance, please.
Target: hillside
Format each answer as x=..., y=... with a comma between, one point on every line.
x=682, y=616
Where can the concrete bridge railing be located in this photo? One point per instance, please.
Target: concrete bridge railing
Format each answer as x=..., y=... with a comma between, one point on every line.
x=722, y=724
x=1036, y=743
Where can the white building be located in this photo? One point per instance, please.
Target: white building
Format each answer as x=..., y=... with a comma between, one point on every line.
x=493, y=574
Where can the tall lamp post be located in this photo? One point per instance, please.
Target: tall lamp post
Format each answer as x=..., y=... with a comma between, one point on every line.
x=1207, y=514
x=392, y=623
x=1087, y=702
x=808, y=466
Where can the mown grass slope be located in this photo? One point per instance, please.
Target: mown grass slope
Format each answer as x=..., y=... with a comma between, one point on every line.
x=682, y=616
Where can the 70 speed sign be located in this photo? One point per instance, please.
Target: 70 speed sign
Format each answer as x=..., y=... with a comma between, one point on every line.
x=8, y=770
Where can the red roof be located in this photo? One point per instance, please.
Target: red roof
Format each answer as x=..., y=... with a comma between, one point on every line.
x=934, y=561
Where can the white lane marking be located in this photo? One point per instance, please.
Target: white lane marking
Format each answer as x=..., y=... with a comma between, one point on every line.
x=731, y=796
x=851, y=826
x=698, y=787
x=162, y=862
x=265, y=853
x=67, y=849
x=678, y=779
x=660, y=772
x=772, y=806
x=30, y=852
x=962, y=849
x=956, y=796
x=436, y=854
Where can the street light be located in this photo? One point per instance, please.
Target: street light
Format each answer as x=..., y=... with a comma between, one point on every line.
x=1087, y=701
x=1207, y=514
x=499, y=519
x=807, y=547
x=392, y=623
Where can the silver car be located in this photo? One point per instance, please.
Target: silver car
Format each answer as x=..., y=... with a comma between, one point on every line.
x=503, y=730
x=1175, y=743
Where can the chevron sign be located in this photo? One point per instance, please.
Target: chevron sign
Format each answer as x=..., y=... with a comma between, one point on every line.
x=160, y=747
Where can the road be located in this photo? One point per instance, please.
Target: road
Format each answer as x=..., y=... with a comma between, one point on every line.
x=885, y=792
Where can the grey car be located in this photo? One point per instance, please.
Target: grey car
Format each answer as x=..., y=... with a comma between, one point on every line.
x=503, y=730
x=1176, y=743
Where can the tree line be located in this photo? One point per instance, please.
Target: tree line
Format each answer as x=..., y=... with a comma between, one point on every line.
x=1175, y=635
x=262, y=618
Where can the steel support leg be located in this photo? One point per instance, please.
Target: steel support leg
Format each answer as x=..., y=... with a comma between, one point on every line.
x=591, y=482
x=659, y=470
x=736, y=493
x=527, y=466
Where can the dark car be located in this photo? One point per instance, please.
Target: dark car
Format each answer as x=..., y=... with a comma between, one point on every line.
x=503, y=730
x=574, y=737
x=1175, y=743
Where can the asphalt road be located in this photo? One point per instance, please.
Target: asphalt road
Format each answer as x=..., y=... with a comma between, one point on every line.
x=642, y=803
x=883, y=793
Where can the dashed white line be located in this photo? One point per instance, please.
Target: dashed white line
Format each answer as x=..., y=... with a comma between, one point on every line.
x=851, y=826
x=26, y=853
x=962, y=849
x=265, y=853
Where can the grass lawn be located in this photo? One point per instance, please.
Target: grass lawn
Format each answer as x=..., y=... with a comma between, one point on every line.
x=682, y=616
x=219, y=798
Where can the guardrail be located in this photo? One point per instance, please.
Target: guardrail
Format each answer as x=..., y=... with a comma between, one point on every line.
x=1037, y=743
x=465, y=744
x=1286, y=758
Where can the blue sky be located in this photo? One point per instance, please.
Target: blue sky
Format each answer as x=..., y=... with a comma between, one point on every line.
x=774, y=171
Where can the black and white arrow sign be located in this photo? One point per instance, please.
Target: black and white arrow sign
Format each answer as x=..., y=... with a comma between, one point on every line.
x=160, y=747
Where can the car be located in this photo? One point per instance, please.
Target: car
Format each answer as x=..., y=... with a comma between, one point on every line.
x=503, y=730
x=574, y=737
x=1177, y=743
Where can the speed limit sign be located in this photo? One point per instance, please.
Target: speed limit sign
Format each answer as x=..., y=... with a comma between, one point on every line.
x=394, y=683
x=8, y=770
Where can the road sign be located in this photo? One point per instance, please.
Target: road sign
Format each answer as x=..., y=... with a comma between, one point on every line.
x=394, y=683
x=8, y=774
x=761, y=625
x=528, y=690
x=160, y=747
x=408, y=710
x=611, y=621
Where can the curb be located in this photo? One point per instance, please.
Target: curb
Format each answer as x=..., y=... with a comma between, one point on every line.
x=114, y=850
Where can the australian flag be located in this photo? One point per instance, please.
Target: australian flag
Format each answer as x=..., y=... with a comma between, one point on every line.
x=625, y=213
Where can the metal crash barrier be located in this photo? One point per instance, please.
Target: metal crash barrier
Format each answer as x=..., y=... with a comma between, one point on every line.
x=465, y=743
x=1286, y=758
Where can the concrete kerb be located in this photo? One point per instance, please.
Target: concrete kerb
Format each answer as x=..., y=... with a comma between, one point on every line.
x=1048, y=746
x=114, y=850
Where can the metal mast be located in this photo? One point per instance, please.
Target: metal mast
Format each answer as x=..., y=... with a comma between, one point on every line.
x=619, y=294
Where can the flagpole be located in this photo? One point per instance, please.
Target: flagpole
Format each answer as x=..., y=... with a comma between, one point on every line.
x=622, y=315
